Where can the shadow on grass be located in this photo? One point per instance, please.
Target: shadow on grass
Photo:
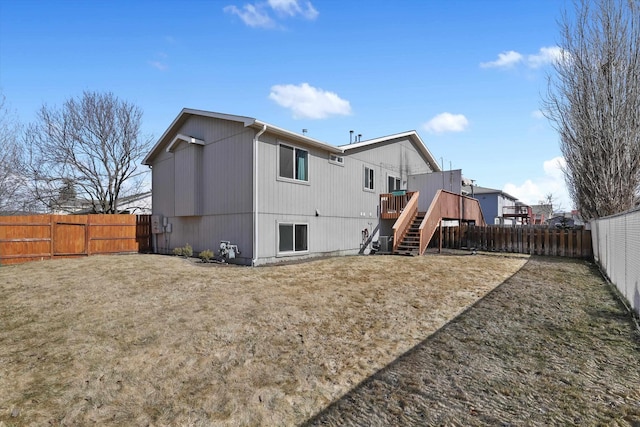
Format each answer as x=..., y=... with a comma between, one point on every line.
x=371, y=386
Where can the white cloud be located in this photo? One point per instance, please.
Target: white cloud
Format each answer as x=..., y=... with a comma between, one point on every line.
x=533, y=191
x=306, y=101
x=293, y=8
x=505, y=60
x=258, y=14
x=252, y=16
x=160, y=63
x=546, y=55
x=446, y=122
x=509, y=59
x=537, y=114
x=554, y=167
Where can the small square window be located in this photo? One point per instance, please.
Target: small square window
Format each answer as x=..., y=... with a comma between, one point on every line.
x=338, y=160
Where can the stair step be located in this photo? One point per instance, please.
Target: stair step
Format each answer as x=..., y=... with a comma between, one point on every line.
x=408, y=248
x=407, y=253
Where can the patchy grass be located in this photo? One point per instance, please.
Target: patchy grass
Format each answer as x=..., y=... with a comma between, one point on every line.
x=550, y=346
x=144, y=339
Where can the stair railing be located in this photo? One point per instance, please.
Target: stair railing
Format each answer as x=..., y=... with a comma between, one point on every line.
x=403, y=223
x=447, y=205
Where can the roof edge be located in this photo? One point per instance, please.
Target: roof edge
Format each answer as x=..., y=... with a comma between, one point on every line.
x=247, y=121
x=408, y=134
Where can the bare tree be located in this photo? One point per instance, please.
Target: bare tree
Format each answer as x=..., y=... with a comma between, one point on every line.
x=11, y=177
x=594, y=103
x=91, y=147
x=552, y=201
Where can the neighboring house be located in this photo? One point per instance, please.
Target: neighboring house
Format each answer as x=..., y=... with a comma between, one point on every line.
x=566, y=220
x=542, y=213
x=138, y=204
x=276, y=194
x=493, y=203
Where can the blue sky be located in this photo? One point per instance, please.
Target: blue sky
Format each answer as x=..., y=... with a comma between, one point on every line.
x=467, y=75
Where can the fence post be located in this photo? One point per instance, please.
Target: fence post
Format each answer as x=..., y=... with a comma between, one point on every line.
x=51, y=234
x=87, y=237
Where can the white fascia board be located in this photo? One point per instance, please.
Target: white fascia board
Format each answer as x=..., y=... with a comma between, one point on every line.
x=184, y=138
x=247, y=121
x=190, y=111
x=299, y=138
x=412, y=134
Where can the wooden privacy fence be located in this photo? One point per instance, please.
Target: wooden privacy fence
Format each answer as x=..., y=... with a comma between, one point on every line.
x=37, y=237
x=534, y=240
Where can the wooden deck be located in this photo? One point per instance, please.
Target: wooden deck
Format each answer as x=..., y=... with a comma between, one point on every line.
x=445, y=206
x=391, y=207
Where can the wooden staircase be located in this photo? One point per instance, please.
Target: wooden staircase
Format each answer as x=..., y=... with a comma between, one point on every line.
x=413, y=230
x=410, y=244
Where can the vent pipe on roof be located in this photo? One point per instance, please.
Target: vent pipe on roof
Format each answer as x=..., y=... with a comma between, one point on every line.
x=350, y=137
x=304, y=131
x=359, y=137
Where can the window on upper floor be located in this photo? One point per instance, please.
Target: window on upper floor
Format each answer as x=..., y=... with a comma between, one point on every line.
x=368, y=178
x=294, y=163
x=335, y=159
x=393, y=184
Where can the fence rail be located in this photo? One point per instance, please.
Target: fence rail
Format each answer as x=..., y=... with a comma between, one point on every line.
x=37, y=237
x=534, y=240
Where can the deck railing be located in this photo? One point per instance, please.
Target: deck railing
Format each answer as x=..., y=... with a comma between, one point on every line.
x=391, y=206
x=447, y=205
x=401, y=226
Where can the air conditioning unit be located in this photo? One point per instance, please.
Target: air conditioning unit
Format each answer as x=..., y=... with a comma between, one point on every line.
x=385, y=244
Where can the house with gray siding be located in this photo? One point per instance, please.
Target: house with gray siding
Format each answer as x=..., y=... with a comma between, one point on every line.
x=493, y=203
x=276, y=194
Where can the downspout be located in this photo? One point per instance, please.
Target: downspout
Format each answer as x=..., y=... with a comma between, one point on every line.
x=255, y=194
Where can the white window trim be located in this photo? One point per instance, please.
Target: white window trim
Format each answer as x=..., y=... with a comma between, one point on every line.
x=395, y=178
x=364, y=170
x=336, y=162
x=292, y=180
x=293, y=252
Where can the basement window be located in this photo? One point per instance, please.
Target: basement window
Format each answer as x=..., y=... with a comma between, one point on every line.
x=292, y=238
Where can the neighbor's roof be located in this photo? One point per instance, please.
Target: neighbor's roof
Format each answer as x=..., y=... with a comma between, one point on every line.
x=168, y=137
x=411, y=135
x=485, y=190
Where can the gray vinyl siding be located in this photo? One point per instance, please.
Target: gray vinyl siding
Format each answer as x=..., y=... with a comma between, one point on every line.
x=429, y=184
x=207, y=195
x=399, y=158
x=335, y=192
x=218, y=205
x=162, y=184
x=188, y=179
x=206, y=232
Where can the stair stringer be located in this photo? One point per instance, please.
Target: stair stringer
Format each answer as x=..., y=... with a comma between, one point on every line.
x=447, y=205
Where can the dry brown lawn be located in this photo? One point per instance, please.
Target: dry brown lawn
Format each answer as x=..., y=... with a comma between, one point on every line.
x=552, y=346
x=158, y=340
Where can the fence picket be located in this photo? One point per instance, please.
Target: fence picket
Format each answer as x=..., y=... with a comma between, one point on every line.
x=534, y=240
x=37, y=237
